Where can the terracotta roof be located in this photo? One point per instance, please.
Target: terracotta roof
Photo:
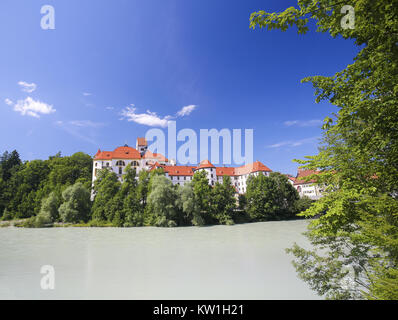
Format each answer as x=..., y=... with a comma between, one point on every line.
x=103, y=155
x=251, y=167
x=220, y=171
x=301, y=174
x=205, y=164
x=118, y=153
x=228, y=171
x=158, y=156
x=179, y=170
x=142, y=142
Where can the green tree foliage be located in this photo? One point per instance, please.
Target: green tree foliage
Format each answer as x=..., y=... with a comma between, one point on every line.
x=27, y=184
x=49, y=210
x=223, y=201
x=358, y=218
x=202, y=194
x=303, y=204
x=132, y=212
x=270, y=198
x=162, y=202
x=24, y=185
x=76, y=207
x=106, y=188
x=189, y=207
x=8, y=163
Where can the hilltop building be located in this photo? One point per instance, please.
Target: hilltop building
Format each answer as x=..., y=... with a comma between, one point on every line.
x=141, y=158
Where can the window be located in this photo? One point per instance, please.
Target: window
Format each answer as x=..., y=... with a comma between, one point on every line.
x=120, y=163
x=107, y=164
x=120, y=170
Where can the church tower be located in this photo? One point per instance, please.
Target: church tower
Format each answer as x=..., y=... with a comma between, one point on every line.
x=141, y=145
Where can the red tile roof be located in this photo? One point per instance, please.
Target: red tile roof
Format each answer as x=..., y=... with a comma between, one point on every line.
x=301, y=174
x=158, y=156
x=119, y=153
x=205, y=164
x=251, y=167
x=228, y=171
x=142, y=142
x=220, y=171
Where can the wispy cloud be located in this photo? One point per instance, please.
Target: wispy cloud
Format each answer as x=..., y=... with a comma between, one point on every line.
x=27, y=87
x=31, y=107
x=109, y=108
x=303, y=123
x=8, y=102
x=86, y=124
x=186, y=110
x=78, y=130
x=86, y=94
x=149, y=118
x=295, y=143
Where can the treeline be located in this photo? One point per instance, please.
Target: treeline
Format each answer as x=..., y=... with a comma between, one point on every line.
x=59, y=189
x=24, y=185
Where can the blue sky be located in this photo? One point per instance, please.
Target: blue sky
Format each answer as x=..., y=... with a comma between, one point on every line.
x=66, y=89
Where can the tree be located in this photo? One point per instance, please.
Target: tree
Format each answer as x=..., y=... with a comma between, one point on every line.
x=162, y=201
x=49, y=210
x=358, y=216
x=8, y=162
x=287, y=196
x=190, y=207
x=23, y=187
x=66, y=171
x=261, y=196
x=270, y=198
x=76, y=207
x=202, y=194
x=106, y=187
x=223, y=201
x=133, y=215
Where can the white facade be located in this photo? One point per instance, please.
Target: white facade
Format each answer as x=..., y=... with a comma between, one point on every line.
x=142, y=159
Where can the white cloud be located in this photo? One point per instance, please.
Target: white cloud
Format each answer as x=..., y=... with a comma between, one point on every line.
x=149, y=118
x=33, y=108
x=294, y=143
x=79, y=132
x=109, y=108
x=186, y=110
x=303, y=123
x=27, y=87
x=86, y=123
x=8, y=102
x=86, y=94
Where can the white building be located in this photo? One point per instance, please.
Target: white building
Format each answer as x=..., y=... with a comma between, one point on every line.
x=141, y=158
x=306, y=187
x=239, y=175
x=118, y=159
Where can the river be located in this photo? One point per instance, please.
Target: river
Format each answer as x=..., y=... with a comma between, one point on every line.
x=245, y=261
